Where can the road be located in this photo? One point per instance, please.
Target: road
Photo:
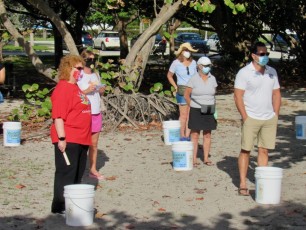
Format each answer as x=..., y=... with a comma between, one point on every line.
x=274, y=55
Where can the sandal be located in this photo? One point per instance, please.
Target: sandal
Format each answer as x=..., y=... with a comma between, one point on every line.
x=97, y=176
x=243, y=192
x=196, y=164
x=208, y=163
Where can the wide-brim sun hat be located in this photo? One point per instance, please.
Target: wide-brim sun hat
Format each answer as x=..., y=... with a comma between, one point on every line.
x=185, y=45
x=204, y=61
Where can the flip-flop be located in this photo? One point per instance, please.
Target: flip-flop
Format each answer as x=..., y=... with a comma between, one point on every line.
x=246, y=193
x=98, y=177
x=208, y=163
x=196, y=164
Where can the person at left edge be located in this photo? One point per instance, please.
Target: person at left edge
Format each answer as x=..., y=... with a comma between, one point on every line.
x=2, y=80
x=70, y=130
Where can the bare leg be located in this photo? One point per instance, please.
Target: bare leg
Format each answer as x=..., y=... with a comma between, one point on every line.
x=188, y=131
x=243, y=164
x=184, y=114
x=93, y=152
x=206, y=145
x=195, y=140
x=263, y=157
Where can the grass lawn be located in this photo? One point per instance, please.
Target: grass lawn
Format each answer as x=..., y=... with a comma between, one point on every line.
x=20, y=71
x=19, y=48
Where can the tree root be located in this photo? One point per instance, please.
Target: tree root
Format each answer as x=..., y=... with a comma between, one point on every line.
x=137, y=109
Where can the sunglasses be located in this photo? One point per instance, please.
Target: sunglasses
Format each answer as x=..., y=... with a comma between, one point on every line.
x=187, y=70
x=206, y=65
x=263, y=54
x=79, y=68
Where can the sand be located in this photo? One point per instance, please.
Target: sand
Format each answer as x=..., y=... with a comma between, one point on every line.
x=142, y=191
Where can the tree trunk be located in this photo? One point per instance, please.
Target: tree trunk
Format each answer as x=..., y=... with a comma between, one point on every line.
x=56, y=20
x=58, y=47
x=132, y=61
x=143, y=56
x=172, y=29
x=166, y=12
x=26, y=45
x=1, y=50
x=124, y=48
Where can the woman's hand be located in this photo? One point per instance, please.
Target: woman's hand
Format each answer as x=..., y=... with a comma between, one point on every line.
x=62, y=145
x=91, y=88
x=101, y=90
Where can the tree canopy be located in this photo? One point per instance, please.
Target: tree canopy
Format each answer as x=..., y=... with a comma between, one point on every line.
x=237, y=22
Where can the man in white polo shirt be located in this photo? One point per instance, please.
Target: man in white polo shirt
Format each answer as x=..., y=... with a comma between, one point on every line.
x=258, y=99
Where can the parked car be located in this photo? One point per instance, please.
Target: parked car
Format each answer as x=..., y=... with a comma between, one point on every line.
x=213, y=42
x=86, y=40
x=195, y=39
x=279, y=43
x=107, y=40
x=159, y=45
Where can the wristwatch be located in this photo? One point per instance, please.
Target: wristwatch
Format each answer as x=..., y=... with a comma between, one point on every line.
x=62, y=138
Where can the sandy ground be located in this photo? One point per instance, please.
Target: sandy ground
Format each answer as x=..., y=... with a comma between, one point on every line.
x=144, y=192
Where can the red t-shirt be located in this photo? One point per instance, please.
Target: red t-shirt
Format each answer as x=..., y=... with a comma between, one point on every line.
x=70, y=104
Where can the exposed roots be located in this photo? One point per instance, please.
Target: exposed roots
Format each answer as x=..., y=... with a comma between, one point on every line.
x=137, y=110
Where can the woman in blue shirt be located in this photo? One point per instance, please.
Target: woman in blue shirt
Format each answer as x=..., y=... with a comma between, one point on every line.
x=183, y=67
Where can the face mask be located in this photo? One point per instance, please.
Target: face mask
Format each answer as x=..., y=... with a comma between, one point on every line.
x=186, y=54
x=77, y=75
x=263, y=60
x=90, y=63
x=206, y=70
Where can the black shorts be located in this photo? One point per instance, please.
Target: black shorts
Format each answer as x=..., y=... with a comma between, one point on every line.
x=199, y=121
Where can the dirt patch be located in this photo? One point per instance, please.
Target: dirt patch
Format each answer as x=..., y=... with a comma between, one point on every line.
x=142, y=191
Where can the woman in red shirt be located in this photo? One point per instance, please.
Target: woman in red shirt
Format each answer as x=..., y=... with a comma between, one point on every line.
x=71, y=129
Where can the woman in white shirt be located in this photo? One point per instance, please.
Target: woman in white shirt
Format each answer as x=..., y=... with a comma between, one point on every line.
x=91, y=85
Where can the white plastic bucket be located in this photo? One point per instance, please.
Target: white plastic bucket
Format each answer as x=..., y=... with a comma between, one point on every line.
x=300, y=127
x=268, y=184
x=11, y=133
x=182, y=155
x=79, y=201
x=171, y=131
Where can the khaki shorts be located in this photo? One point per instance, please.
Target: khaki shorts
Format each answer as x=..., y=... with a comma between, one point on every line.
x=262, y=130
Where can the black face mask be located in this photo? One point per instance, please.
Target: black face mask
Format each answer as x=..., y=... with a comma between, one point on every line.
x=90, y=63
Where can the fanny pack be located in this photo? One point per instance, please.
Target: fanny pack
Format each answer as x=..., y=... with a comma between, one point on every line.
x=181, y=89
x=207, y=109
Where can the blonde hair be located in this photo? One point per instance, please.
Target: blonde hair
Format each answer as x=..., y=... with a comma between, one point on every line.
x=66, y=65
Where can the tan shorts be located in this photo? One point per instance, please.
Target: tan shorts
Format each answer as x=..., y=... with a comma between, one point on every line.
x=262, y=130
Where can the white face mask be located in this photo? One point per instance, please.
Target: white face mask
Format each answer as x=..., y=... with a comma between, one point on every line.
x=186, y=54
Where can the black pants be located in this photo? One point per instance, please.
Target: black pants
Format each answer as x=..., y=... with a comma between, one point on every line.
x=67, y=174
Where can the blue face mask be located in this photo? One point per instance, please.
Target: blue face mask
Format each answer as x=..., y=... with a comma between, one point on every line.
x=206, y=70
x=263, y=60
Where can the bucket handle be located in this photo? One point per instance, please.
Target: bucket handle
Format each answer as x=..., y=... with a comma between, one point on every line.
x=78, y=206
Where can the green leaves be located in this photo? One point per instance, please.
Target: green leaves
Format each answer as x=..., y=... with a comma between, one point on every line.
x=185, y=2
x=157, y=87
x=239, y=7
x=39, y=104
x=203, y=6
